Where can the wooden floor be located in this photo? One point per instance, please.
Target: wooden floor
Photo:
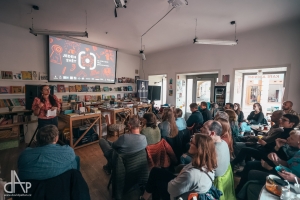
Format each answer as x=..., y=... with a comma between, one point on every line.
x=91, y=163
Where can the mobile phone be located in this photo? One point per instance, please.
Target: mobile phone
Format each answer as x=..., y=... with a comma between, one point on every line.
x=281, y=168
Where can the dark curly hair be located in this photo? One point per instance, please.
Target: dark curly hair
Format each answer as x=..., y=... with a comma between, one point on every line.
x=150, y=120
x=51, y=98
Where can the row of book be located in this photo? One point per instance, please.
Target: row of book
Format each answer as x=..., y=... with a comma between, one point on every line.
x=95, y=98
x=12, y=102
x=86, y=88
x=24, y=75
x=13, y=119
x=11, y=89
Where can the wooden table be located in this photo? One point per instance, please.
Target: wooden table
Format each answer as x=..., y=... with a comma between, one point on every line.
x=113, y=112
x=69, y=120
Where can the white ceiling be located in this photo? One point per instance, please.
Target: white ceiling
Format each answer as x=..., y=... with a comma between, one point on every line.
x=124, y=32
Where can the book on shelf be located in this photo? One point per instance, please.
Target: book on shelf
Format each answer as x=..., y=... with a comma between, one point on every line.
x=105, y=89
x=26, y=75
x=35, y=75
x=87, y=98
x=43, y=76
x=17, y=76
x=84, y=88
x=61, y=88
x=98, y=98
x=130, y=95
x=81, y=98
x=72, y=88
x=65, y=98
x=73, y=97
x=119, y=96
x=16, y=89
x=4, y=90
x=130, y=88
x=6, y=75
x=125, y=88
x=78, y=88
x=97, y=88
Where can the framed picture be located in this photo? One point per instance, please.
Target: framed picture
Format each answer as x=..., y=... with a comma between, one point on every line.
x=6, y=74
x=43, y=76
x=170, y=92
x=35, y=75
x=16, y=89
x=26, y=75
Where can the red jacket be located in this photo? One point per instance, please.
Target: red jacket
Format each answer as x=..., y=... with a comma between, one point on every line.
x=160, y=154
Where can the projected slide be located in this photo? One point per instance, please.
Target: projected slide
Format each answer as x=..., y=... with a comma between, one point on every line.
x=71, y=61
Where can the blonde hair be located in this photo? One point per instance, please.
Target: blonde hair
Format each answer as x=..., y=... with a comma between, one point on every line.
x=168, y=115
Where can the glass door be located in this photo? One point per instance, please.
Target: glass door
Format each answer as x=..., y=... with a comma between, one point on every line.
x=203, y=91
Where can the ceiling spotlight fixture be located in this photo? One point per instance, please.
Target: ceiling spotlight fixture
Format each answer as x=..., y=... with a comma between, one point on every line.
x=177, y=3
x=119, y=4
x=143, y=56
x=216, y=42
x=58, y=33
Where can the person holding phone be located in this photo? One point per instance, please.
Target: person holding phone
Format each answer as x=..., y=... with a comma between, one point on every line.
x=42, y=104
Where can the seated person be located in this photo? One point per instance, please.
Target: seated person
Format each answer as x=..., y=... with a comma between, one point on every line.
x=221, y=114
x=233, y=124
x=154, y=109
x=168, y=126
x=239, y=112
x=196, y=176
x=196, y=117
x=205, y=112
x=287, y=121
x=229, y=106
x=292, y=163
x=151, y=131
x=226, y=134
x=274, y=132
x=214, y=130
x=126, y=144
x=48, y=159
x=255, y=117
x=180, y=122
x=214, y=109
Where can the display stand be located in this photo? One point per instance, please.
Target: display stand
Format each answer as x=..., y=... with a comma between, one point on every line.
x=84, y=117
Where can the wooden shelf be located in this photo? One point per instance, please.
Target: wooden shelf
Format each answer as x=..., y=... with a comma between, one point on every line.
x=92, y=92
x=13, y=94
x=14, y=112
x=17, y=124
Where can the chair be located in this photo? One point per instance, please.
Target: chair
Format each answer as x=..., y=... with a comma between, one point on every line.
x=225, y=184
x=111, y=128
x=69, y=185
x=128, y=171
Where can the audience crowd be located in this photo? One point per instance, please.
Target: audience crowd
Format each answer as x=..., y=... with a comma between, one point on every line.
x=200, y=155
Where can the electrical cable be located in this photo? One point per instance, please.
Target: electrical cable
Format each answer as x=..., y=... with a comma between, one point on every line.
x=158, y=21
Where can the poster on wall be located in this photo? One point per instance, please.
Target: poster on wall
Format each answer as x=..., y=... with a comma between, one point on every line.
x=142, y=90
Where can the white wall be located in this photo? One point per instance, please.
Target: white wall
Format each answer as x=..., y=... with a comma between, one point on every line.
x=22, y=51
x=272, y=46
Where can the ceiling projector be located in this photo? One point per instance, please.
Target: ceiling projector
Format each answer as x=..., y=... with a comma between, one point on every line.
x=120, y=3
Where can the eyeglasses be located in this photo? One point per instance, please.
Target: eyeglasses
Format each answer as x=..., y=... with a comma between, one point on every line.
x=47, y=89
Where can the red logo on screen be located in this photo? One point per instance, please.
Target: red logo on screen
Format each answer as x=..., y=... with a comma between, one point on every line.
x=55, y=56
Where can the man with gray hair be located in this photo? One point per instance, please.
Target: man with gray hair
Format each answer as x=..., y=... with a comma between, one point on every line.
x=48, y=159
x=214, y=130
x=125, y=144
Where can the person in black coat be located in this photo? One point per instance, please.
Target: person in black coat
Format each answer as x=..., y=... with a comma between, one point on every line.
x=196, y=116
x=205, y=112
x=256, y=116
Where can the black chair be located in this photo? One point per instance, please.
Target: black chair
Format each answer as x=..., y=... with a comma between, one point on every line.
x=129, y=170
